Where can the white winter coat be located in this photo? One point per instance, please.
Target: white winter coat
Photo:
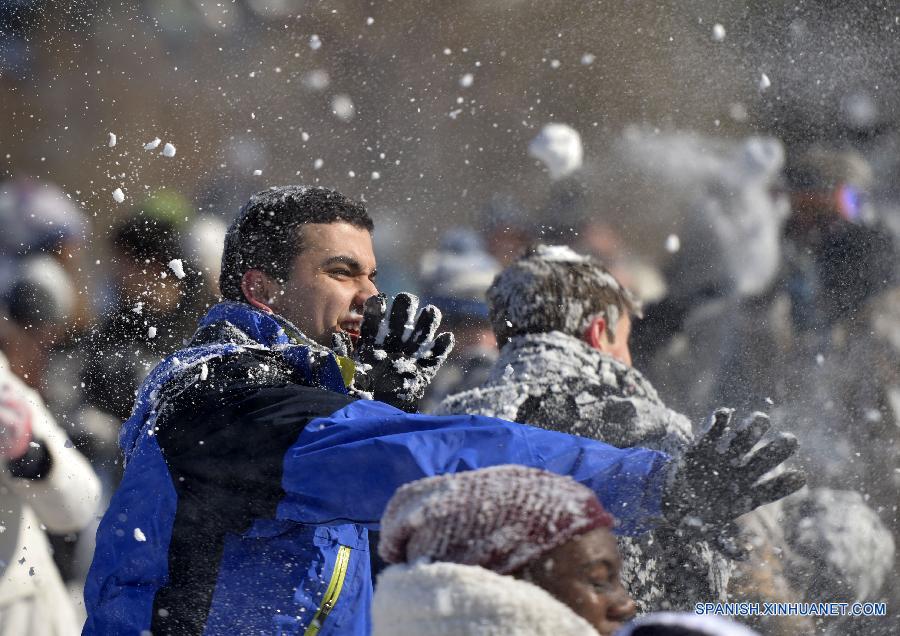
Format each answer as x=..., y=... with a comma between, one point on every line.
x=449, y=599
x=33, y=599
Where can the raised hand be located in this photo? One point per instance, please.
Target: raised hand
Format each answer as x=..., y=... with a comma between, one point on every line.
x=398, y=354
x=718, y=478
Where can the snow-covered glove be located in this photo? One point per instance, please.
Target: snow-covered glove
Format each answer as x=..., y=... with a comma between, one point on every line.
x=15, y=424
x=717, y=478
x=399, y=354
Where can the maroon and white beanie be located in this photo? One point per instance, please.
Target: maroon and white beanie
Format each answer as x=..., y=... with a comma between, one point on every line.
x=499, y=518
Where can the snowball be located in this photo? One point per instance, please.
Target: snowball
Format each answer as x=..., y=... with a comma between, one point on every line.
x=112, y=140
x=316, y=80
x=558, y=147
x=177, y=267
x=764, y=82
x=315, y=43
x=168, y=150
x=151, y=332
x=466, y=80
x=257, y=173
x=342, y=106
x=718, y=32
x=139, y=535
x=118, y=195
x=673, y=243
x=152, y=145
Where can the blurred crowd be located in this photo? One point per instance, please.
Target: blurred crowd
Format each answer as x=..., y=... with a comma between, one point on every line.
x=770, y=284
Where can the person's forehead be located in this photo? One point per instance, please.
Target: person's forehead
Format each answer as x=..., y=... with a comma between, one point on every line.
x=324, y=240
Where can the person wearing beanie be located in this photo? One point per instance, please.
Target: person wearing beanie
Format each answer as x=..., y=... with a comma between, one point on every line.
x=501, y=550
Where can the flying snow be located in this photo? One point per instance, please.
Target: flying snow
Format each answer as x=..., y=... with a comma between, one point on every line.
x=315, y=43
x=673, y=243
x=466, y=80
x=764, y=82
x=153, y=145
x=558, y=147
x=151, y=332
x=177, y=267
x=342, y=106
x=118, y=195
x=112, y=140
x=139, y=535
x=168, y=150
x=718, y=32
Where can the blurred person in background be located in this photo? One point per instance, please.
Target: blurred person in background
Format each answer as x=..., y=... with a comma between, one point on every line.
x=502, y=550
x=46, y=484
x=40, y=219
x=147, y=319
x=563, y=323
x=838, y=252
x=454, y=278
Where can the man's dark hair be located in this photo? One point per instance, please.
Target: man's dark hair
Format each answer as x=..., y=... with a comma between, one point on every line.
x=266, y=235
x=552, y=288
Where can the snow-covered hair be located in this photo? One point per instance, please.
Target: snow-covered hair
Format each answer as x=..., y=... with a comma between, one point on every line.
x=266, y=236
x=553, y=288
x=500, y=518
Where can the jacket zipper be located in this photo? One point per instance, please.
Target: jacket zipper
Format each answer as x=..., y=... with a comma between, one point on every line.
x=332, y=592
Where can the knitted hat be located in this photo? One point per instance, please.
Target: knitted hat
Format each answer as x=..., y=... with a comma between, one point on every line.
x=499, y=518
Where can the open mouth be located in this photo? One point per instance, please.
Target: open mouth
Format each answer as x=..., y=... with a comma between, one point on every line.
x=351, y=328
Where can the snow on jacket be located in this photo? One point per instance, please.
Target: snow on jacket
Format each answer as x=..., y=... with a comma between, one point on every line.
x=558, y=382
x=252, y=480
x=33, y=599
x=449, y=599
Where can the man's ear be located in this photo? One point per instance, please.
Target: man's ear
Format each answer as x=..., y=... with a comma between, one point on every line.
x=260, y=289
x=595, y=334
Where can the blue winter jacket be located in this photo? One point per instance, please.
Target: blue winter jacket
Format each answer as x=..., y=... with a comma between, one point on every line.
x=252, y=479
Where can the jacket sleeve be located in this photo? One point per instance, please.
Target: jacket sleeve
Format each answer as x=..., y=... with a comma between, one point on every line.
x=67, y=497
x=345, y=467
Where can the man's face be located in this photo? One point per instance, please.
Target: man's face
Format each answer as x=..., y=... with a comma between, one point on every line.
x=584, y=574
x=330, y=281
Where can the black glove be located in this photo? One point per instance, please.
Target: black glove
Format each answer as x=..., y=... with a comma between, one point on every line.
x=398, y=356
x=718, y=479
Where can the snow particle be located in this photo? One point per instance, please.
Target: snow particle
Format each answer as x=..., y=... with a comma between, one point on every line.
x=168, y=150
x=118, y=195
x=304, y=136
x=318, y=163
x=316, y=80
x=376, y=175
x=177, y=267
x=466, y=80
x=558, y=147
x=764, y=82
x=152, y=145
x=257, y=173
x=112, y=140
x=204, y=371
x=151, y=332
x=554, y=64
x=139, y=535
x=447, y=51
x=718, y=32
x=370, y=21
x=342, y=106
x=588, y=58
x=673, y=243
x=315, y=43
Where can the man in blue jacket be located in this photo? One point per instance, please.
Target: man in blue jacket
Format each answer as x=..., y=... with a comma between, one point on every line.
x=256, y=460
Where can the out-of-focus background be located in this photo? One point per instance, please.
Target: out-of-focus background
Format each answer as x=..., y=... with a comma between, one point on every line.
x=735, y=164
